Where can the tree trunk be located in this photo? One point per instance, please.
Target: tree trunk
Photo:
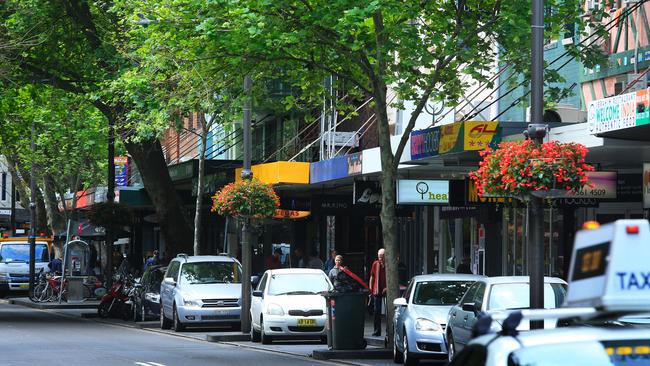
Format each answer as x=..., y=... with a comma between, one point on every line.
x=149, y=158
x=387, y=215
x=199, y=192
x=56, y=221
x=21, y=185
x=42, y=228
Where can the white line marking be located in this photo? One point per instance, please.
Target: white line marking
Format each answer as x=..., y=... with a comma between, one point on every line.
x=142, y=364
x=155, y=363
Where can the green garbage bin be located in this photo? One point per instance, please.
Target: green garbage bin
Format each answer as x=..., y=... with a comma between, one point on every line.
x=345, y=320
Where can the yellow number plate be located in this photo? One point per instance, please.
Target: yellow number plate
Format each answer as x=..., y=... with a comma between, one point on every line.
x=306, y=322
x=24, y=286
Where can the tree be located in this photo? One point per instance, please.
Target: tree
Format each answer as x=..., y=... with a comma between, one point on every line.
x=420, y=49
x=77, y=51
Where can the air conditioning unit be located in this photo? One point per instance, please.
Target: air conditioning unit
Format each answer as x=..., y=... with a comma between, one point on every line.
x=562, y=113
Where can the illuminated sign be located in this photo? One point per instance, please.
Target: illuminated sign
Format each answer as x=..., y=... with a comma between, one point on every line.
x=413, y=191
x=290, y=214
x=618, y=112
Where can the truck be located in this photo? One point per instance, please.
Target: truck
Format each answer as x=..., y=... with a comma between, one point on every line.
x=14, y=262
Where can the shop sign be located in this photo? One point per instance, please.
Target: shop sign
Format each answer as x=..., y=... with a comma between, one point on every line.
x=367, y=193
x=330, y=169
x=474, y=198
x=629, y=188
x=603, y=186
x=449, y=137
x=290, y=214
x=478, y=135
x=355, y=163
x=618, y=112
x=415, y=191
x=425, y=143
x=646, y=185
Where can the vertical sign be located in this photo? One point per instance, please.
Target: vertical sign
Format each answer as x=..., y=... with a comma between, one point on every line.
x=121, y=171
x=646, y=185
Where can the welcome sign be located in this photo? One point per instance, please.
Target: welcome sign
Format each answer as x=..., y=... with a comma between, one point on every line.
x=618, y=112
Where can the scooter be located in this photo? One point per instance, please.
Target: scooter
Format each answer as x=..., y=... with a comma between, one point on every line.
x=114, y=303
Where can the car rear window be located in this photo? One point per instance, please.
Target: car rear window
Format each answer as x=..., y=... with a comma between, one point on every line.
x=505, y=296
x=439, y=292
x=592, y=353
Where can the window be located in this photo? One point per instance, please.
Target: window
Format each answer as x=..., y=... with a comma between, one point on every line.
x=172, y=271
x=478, y=296
x=407, y=293
x=517, y=296
x=4, y=186
x=439, y=292
x=296, y=284
x=211, y=272
x=20, y=253
x=469, y=295
x=262, y=285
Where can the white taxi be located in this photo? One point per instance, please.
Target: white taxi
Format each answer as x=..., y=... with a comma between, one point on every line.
x=609, y=284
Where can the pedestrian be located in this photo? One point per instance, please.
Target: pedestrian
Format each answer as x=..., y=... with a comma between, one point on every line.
x=296, y=259
x=334, y=271
x=378, y=288
x=56, y=265
x=152, y=260
x=314, y=262
x=330, y=262
x=465, y=265
x=273, y=261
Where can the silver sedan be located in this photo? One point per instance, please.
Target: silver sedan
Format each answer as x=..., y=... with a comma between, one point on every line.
x=420, y=316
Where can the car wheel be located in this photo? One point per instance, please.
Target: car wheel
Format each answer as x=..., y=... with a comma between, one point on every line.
x=255, y=335
x=102, y=309
x=178, y=326
x=164, y=322
x=451, y=347
x=263, y=337
x=409, y=359
x=398, y=357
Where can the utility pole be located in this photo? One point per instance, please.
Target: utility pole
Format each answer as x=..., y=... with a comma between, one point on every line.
x=536, y=132
x=110, y=197
x=246, y=173
x=32, y=216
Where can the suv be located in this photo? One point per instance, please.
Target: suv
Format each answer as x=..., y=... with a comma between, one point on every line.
x=200, y=290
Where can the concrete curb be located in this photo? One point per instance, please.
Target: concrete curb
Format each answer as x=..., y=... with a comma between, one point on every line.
x=228, y=337
x=362, y=354
x=375, y=342
x=148, y=324
x=55, y=306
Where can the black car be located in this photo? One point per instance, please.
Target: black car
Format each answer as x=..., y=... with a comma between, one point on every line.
x=146, y=299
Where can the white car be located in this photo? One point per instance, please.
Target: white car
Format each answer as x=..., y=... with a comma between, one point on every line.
x=288, y=304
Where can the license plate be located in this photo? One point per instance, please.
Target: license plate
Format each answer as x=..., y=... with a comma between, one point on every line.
x=23, y=286
x=306, y=322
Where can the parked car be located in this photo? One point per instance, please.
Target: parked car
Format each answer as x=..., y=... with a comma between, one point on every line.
x=146, y=299
x=200, y=290
x=497, y=294
x=421, y=315
x=288, y=304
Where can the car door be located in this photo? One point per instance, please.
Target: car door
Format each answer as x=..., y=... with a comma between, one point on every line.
x=401, y=313
x=457, y=318
x=470, y=317
x=166, y=289
x=257, y=302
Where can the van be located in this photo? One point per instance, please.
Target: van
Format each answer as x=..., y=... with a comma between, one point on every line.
x=14, y=262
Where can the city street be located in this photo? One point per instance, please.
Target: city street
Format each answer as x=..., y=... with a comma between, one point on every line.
x=62, y=337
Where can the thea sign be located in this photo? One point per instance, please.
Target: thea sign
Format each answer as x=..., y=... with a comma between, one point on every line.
x=415, y=191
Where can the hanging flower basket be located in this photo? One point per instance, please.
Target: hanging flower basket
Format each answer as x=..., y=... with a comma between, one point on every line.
x=109, y=215
x=246, y=198
x=521, y=169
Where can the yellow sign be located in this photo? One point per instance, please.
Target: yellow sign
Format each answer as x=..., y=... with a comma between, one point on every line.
x=448, y=137
x=478, y=134
x=279, y=172
x=290, y=214
x=473, y=197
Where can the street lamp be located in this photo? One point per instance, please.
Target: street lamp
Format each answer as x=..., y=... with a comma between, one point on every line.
x=246, y=173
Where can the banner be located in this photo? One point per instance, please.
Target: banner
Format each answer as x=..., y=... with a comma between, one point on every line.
x=646, y=185
x=121, y=171
x=367, y=193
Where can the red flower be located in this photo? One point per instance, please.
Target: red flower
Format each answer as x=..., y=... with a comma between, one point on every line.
x=246, y=198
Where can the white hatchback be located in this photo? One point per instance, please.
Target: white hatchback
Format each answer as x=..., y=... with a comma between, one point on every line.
x=288, y=303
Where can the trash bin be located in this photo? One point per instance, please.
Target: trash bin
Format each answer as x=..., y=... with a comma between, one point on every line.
x=345, y=319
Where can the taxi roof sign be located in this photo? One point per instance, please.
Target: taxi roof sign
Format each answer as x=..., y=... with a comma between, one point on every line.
x=610, y=267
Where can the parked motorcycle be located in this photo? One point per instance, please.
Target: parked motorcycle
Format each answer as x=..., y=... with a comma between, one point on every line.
x=116, y=301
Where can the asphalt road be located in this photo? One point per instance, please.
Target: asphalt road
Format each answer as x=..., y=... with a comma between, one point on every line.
x=36, y=337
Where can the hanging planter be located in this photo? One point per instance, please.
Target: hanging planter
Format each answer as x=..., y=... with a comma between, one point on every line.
x=246, y=198
x=523, y=169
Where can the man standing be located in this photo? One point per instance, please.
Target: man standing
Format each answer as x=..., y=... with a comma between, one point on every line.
x=378, y=288
x=273, y=262
x=296, y=259
x=151, y=261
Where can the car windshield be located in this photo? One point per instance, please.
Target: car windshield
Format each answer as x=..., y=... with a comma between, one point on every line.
x=505, y=296
x=211, y=272
x=298, y=284
x=608, y=353
x=439, y=292
x=20, y=253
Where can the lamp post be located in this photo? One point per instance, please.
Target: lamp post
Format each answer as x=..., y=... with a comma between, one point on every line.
x=246, y=173
x=536, y=132
x=32, y=217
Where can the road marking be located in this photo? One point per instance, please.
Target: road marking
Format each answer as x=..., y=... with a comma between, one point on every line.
x=156, y=364
x=148, y=363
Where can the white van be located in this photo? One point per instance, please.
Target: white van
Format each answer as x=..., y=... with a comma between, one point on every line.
x=14, y=262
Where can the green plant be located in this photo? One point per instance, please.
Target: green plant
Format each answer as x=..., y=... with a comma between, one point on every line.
x=109, y=214
x=246, y=198
x=516, y=169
